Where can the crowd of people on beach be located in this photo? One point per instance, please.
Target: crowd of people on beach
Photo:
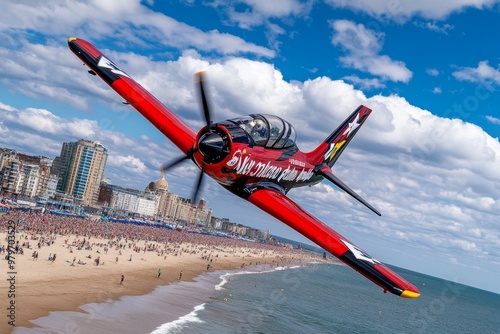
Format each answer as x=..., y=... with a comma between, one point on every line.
x=36, y=230
x=69, y=259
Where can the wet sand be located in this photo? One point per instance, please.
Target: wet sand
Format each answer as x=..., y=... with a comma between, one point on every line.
x=172, y=304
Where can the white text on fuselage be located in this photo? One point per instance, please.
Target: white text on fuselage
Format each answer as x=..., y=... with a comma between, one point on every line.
x=249, y=167
x=297, y=163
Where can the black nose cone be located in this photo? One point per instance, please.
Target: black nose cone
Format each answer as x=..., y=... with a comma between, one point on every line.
x=211, y=145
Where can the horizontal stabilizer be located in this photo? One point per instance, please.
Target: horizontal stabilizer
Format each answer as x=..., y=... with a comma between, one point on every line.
x=327, y=173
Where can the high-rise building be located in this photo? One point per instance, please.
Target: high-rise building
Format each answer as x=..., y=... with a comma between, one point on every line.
x=80, y=168
x=7, y=155
x=25, y=175
x=13, y=178
x=30, y=179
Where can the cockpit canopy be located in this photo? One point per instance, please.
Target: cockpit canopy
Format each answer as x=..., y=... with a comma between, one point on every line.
x=267, y=130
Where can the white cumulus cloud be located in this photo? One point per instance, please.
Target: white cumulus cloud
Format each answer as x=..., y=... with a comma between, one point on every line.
x=403, y=10
x=482, y=73
x=363, y=47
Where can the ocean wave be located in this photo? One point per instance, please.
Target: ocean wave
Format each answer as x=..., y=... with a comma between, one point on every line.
x=224, y=277
x=170, y=327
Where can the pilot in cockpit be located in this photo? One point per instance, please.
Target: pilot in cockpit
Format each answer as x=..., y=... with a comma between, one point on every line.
x=259, y=132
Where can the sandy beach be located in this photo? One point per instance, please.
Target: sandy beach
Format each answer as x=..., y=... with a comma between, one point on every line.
x=37, y=285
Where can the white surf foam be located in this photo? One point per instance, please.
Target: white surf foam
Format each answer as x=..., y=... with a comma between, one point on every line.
x=170, y=327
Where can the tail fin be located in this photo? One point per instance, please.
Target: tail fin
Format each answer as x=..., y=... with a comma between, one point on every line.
x=338, y=140
x=327, y=153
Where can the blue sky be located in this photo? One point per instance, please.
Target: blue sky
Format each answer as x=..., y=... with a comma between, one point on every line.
x=427, y=158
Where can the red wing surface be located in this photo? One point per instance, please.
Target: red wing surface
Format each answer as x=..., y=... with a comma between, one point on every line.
x=159, y=115
x=287, y=211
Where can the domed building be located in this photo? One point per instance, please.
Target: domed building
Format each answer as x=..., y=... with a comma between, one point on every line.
x=160, y=188
x=176, y=208
x=160, y=185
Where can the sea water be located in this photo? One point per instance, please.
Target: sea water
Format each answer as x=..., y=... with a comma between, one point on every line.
x=335, y=299
x=315, y=298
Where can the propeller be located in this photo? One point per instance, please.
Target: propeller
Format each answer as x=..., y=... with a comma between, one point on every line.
x=204, y=102
x=211, y=143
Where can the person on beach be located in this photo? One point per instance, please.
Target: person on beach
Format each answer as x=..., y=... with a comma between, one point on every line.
x=180, y=275
x=122, y=279
x=159, y=273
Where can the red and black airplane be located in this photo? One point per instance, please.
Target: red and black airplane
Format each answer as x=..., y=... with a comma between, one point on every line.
x=256, y=158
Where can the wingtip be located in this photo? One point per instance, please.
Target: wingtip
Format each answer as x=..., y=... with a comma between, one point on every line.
x=410, y=294
x=71, y=39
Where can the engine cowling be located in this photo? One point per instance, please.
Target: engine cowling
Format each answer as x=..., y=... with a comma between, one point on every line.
x=213, y=144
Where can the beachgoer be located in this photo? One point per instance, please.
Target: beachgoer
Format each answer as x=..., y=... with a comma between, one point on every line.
x=180, y=275
x=122, y=279
x=159, y=273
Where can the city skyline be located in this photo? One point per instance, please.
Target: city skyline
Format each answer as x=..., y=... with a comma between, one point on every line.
x=155, y=202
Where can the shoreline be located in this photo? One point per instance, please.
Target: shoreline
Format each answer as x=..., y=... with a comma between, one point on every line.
x=43, y=286
x=165, y=306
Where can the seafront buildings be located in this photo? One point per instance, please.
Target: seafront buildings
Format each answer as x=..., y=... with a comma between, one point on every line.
x=80, y=169
x=74, y=182
x=75, y=175
x=26, y=176
x=156, y=200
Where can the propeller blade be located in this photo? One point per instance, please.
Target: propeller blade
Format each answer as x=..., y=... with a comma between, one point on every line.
x=204, y=101
x=166, y=166
x=326, y=172
x=210, y=145
x=194, y=197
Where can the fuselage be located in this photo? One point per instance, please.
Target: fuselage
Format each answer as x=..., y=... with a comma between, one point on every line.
x=254, y=150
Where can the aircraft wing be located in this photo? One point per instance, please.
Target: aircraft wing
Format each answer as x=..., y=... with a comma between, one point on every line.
x=283, y=208
x=159, y=115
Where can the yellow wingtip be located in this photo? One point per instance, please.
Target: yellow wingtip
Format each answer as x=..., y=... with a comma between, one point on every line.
x=71, y=39
x=410, y=294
